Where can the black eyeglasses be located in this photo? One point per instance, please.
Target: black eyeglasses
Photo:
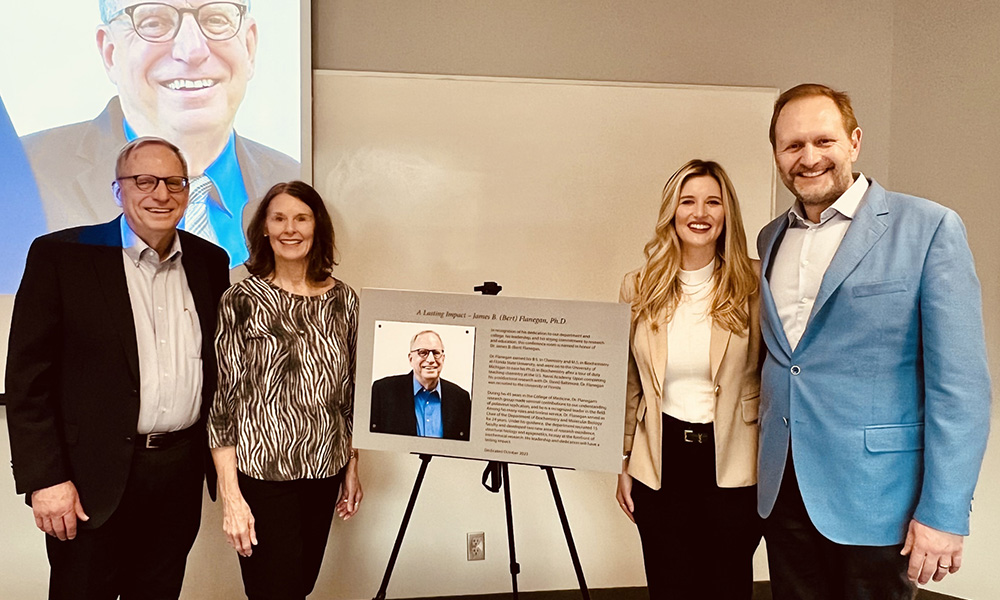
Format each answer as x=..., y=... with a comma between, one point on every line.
x=423, y=353
x=148, y=183
x=157, y=22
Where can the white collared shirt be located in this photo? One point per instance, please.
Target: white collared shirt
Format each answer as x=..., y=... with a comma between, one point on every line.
x=167, y=333
x=688, y=391
x=804, y=256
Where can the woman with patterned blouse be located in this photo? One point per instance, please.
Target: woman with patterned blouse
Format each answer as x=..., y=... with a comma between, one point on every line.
x=280, y=427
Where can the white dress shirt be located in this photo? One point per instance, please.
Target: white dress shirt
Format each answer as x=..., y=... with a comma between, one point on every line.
x=168, y=336
x=688, y=391
x=804, y=256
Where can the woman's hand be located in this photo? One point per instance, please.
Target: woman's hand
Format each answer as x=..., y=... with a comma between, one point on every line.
x=350, y=490
x=237, y=520
x=624, y=495
x=238, y=523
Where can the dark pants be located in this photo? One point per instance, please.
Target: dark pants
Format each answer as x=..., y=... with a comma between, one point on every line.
x=805, y=564
x=292, y=521
x=141, y=550
x=698, y=539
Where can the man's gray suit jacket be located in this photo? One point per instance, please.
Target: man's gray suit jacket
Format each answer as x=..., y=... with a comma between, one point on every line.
x=74, y=166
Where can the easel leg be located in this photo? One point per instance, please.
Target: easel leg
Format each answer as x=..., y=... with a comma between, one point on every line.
x=569, y=536
x=514, y=567
x=425, y=459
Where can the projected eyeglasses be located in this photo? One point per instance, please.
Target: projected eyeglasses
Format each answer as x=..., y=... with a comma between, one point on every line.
x=158, y=22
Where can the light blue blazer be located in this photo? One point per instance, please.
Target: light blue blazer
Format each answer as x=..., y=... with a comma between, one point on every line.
x=886, y=398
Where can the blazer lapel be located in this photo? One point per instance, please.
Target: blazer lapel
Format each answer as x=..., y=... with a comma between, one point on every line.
x=449, y=425
x=407, y=405
x=717, y=346
x=770, y=321
x=98, y=148
x=258, y=177
x=197, y=279
x=656, y=346
x=110, y=276
x=866, y=228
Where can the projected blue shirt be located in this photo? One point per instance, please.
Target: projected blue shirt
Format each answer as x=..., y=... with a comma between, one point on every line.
x=225, y=210
x=427, y=406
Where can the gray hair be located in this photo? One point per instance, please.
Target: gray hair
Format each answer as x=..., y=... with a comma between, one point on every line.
x=424, y=332
x=148, y=140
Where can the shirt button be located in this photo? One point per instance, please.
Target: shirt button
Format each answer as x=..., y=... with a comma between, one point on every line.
x=785, y=420
x=795, y=370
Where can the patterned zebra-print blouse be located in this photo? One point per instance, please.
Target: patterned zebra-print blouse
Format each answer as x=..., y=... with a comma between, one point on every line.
x=286, y=380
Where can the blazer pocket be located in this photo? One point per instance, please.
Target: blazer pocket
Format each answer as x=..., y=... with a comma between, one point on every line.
x=880, y=287
x=894, y=438
x=750, y=406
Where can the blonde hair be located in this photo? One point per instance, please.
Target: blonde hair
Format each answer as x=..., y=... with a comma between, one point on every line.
x=658, y=288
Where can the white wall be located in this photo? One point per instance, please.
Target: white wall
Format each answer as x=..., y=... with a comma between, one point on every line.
x=923, y=76
x=944, y=119
x=768, y=43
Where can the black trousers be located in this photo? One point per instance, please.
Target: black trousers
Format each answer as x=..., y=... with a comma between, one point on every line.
x=805, y=564
x=292, y=520
x=698, y=539
x=140, y=552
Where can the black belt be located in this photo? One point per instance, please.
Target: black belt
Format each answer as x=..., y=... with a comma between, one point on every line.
x=691, y=433
x=157, y=441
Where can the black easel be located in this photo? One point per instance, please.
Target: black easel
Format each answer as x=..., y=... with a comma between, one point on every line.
x=495, y=476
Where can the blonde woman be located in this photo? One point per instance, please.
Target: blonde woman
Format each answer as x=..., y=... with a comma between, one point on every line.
x=689, y=466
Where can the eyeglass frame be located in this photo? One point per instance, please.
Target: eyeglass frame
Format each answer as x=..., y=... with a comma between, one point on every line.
x=438, y=354
x=129, y=10
x=135, y=180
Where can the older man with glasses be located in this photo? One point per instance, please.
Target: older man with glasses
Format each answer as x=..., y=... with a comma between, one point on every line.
x=110, y=374
x=181, y=69
x=421, y=402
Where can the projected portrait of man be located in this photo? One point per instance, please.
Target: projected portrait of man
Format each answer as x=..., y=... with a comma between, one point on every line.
x=421, y=402
x=181, y=69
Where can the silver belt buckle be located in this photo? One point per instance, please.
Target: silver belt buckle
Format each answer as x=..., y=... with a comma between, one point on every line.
x=694, y=438
x=151, y=439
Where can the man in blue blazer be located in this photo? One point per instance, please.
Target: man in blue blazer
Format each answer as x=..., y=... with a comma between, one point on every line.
x=875, y=389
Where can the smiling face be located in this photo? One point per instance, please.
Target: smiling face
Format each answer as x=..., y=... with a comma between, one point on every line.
x=699, y=220
x=289, y=227
x=814, y=154
x=187, y=86
x=427, y=369
x=153, y=215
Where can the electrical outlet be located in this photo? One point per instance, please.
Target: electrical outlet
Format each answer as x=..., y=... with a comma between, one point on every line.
x=475, y=545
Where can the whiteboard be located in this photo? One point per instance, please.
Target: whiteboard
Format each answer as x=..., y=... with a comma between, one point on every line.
x=549, y=187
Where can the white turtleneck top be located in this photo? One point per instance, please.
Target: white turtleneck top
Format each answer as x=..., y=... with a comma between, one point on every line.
x=688, y=390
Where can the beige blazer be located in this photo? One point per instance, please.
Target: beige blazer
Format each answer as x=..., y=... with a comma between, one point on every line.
x=736, y=362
